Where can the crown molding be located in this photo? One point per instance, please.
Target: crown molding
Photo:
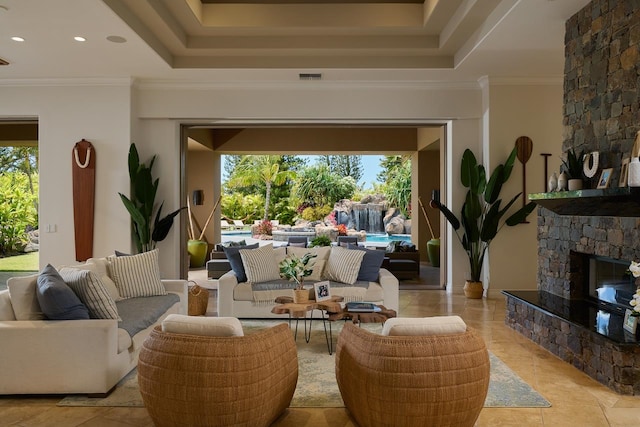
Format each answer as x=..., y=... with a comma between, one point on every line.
x=521, y=81
x=66, y=82
x=153, y=84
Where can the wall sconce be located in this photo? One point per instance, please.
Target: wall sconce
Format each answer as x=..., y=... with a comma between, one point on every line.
x=198, y=197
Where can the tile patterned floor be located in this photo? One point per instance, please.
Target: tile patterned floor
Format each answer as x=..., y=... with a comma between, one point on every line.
x=576, y=399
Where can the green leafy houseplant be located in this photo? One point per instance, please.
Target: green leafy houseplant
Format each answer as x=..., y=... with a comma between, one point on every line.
x=320, y=241
x=573, y=165
x=481, y=214
x=296, y=269
x=141, y=206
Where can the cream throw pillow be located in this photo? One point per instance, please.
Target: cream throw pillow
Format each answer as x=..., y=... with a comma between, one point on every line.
x=322, y=254
x=437, y=325
x=92, y=292
x=23, y=297
x=100, y=266
x=343, y=265
x=137, y=275
x=207, y=326
x=260, y=264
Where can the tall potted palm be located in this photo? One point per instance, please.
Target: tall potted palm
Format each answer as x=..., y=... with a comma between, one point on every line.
x=481, y=214
x=147, y=229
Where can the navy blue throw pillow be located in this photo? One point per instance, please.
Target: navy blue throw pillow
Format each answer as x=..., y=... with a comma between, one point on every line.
x=235, y=261
x=371, y=262
x=57, y=300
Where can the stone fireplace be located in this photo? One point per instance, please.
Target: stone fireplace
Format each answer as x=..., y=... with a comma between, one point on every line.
x=601, y=113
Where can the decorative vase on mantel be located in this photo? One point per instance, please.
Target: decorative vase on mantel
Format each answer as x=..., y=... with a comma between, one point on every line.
x=473, y=290
x=300, y=296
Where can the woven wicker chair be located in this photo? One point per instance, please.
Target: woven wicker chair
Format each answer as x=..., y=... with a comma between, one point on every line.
x=437, y=380
x=189, y=380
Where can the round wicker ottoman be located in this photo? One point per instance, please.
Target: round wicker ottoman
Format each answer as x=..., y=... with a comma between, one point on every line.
x=189, y=380
x=437, y=380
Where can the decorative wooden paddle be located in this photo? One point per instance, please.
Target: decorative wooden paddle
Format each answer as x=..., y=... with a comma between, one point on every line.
x=524, y=148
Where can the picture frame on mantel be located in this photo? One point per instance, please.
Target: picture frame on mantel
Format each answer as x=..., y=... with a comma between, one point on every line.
x=605, y=178
x=630, y=323
x=624, y=173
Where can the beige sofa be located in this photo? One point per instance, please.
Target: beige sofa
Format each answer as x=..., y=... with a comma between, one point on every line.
x=67, y=356
x=237, y=299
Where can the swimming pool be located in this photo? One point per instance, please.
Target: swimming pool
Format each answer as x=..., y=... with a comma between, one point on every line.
x=375, y=239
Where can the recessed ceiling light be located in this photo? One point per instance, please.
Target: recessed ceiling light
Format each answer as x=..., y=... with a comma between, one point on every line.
x=79, y=39
x=116, y=39
x=17, y=39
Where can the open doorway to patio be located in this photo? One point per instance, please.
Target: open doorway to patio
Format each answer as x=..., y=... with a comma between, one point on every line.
x=19, y=183
x=204, y=146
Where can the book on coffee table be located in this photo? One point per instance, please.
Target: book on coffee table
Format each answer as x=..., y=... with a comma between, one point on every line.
x=362, y=307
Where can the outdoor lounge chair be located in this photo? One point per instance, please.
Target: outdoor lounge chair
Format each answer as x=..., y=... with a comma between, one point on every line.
x=224, y=225
x=237, y=223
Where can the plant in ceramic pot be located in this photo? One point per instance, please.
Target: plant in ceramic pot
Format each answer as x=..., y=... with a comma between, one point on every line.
x=295, y=269
x=481, y=216
x=147, y=230
x=573, y=167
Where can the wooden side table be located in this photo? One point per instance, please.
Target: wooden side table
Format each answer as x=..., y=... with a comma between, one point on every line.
x=299, y=311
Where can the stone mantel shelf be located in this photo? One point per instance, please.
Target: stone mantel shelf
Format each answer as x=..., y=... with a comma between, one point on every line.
x=621, y=202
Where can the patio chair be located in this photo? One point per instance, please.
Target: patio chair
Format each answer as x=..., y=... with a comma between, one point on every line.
x=237, y=223
x=346, y=240
x=298, y=241
x=224, y=225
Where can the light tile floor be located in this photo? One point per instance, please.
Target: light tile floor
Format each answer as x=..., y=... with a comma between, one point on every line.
x=577, y=400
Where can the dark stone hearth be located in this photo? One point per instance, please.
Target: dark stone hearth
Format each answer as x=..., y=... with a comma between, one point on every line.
x=614, y=364
x=601, y=113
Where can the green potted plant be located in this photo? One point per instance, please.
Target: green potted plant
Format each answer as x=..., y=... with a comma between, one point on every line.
x=481, y=214
x=320, y=241
x=573, y=167
x=147, y=229
x=296, y=269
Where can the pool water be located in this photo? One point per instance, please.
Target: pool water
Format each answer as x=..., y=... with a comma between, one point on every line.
x=379, y=239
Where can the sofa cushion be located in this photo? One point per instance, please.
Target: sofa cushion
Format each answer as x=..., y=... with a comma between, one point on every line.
x=207, y=326
x=437, y=325
x=91, y=291
x=320, y=261
x=343, y=265
x=371, y=263
x=235, y=260
x=138, y=314
x=23, y=297
x=6, y=311
x=57, y=300
x=260, y=264
x=100, y=266
x=137, y=275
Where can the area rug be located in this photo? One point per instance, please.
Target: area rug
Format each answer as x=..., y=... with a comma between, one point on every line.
x=317, y=385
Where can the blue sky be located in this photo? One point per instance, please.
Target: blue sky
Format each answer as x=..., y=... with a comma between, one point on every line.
x=370, y=168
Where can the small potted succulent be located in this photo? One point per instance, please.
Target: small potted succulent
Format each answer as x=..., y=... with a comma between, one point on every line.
x=573, y=167
x=296, y=269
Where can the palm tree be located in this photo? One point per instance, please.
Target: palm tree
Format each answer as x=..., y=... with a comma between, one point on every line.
x=261, y=169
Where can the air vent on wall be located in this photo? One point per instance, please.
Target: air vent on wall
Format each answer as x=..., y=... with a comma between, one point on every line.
x=3, y=62
x=310, y=76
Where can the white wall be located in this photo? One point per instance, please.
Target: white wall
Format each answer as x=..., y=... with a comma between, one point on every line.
x=66, y=114
x=521, y=110
x=111, y=115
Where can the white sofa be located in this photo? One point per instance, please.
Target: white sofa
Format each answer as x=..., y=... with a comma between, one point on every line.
x=237, y=300
x=70, y=356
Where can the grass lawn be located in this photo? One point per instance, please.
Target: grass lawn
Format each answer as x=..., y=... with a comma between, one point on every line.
x=26, y=262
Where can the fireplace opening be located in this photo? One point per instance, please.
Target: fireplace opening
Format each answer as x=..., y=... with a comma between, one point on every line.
x=608, y=282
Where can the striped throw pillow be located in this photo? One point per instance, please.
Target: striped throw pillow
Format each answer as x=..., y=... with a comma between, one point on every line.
x=137, y=275
x=92, y=292
x=343, y=265
x=260, y=264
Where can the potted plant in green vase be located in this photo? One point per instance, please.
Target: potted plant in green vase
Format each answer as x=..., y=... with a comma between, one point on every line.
x=481, y=214
x=295, y=269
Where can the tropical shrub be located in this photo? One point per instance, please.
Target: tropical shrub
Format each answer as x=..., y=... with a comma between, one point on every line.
x=320, y=241
x=18, y=210
x=264, y=228
x=397, y=189
x=316, y=213
x=246, y=207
